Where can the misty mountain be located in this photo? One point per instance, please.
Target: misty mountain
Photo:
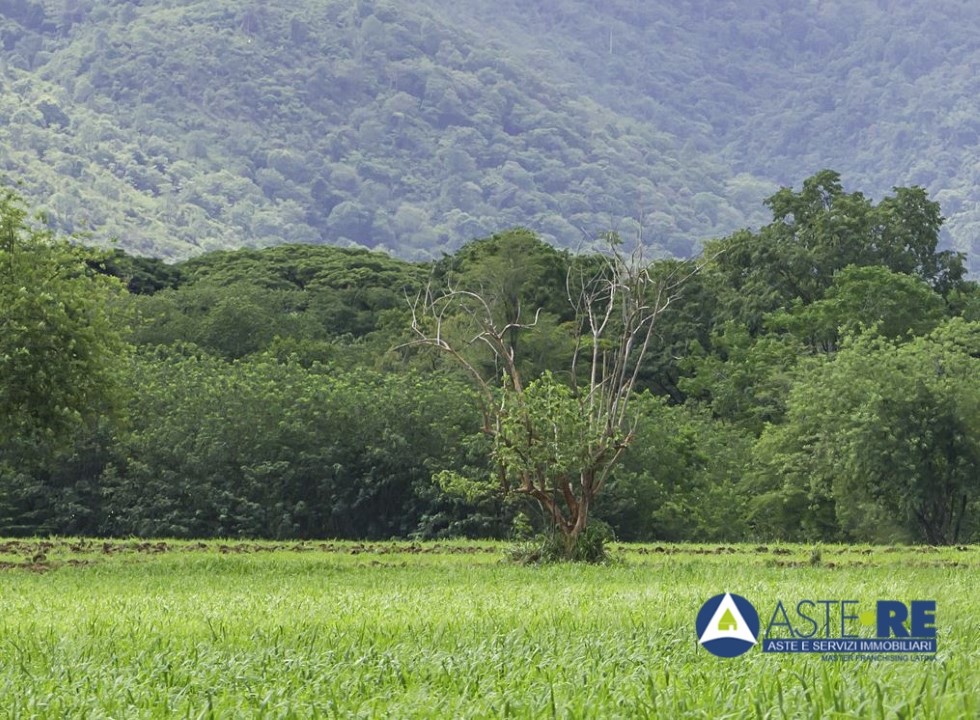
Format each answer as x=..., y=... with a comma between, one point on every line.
x=179, y=127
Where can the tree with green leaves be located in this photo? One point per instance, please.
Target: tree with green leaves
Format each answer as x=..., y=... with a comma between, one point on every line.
x=513, y=271
x=557, y=437
x=830, y=262
x=60, y=346
x=873, y=298
x=259, y=447
x=61, y=349
x=820, y=230
x=681, y=481
x=886, y=433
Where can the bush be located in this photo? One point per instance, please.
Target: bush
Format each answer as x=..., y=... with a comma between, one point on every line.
x=590, y=547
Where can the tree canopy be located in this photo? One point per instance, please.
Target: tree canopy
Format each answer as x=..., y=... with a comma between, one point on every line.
x=814, y=380
x=885, y=433
x=60, y=344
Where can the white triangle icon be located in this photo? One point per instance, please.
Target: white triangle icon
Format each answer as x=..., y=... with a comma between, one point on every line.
x=727, y=622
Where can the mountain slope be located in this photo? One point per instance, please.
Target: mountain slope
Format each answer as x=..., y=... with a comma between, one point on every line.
x=223, y=124
x=884, y=91
x=181, y=127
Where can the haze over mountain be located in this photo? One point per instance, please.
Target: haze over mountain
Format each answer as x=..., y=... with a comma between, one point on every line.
x=183, y=126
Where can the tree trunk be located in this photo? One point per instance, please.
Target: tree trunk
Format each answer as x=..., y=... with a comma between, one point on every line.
x=570, y=520
x=577, y=526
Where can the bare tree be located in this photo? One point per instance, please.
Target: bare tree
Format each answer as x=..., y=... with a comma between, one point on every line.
x=558, y=441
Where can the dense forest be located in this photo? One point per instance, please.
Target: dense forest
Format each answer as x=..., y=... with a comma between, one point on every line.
x=814, y=379
x=178, y=128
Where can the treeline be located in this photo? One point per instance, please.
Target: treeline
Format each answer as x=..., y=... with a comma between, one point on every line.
x=813, y=380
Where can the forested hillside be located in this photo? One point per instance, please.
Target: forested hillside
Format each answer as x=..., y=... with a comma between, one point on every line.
x=207, y=125
x=182, y=127
x=885, y=91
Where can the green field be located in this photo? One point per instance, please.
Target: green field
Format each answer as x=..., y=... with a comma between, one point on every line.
x=227, y=630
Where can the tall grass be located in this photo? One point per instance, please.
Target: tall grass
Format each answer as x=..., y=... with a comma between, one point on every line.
x=197, y=633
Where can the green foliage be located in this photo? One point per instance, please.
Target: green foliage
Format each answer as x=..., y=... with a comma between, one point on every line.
x=814, y=381
x=521, y=527
x=62, y=350
x=830, y=263
x=512, y=269
x=180, y=128
x=545, y=429
x=141, y=275
x=821, y=230
x=312, y=302
x=550, y=547
x=681, y=479
x=406, y=132
x=264, y=449
x=744, y=379
x=60, y=341
x=883, y=430
x=456, y=485
x=523, y=279
x=682, y=333
x=888, y=303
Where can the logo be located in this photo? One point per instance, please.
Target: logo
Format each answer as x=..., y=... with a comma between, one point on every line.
x=727, y=625
x=833, y=629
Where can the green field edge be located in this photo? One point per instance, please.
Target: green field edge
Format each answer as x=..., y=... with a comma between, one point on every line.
x=53, y=553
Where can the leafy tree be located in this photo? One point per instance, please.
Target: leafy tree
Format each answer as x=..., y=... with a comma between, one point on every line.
x=882, y=429
x=821, y=230
x=141, y=275
x=554, y=441
x=681, y=480
x=830, y=262
x=683, y=332
x=263, y=448
x=231, y=321
x=873, y=297
x=511, y=269
x=515, y=272
x=61, y=349
x=60, y=344
x=744, y=379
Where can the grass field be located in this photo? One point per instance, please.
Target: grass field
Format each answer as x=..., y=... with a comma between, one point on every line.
x=229, y=630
